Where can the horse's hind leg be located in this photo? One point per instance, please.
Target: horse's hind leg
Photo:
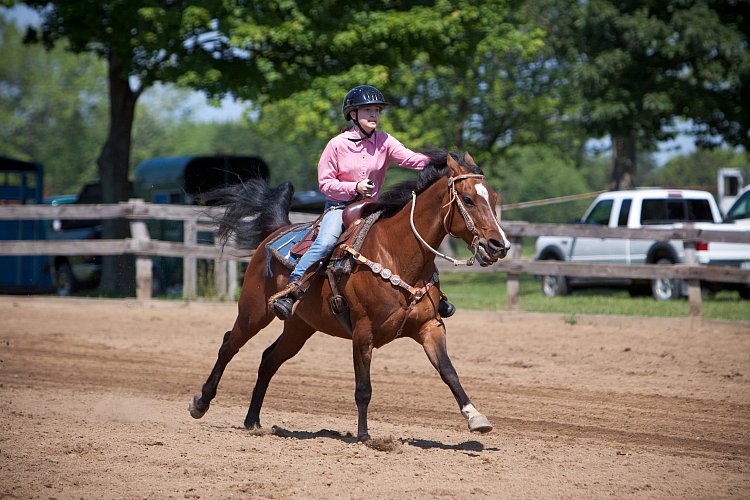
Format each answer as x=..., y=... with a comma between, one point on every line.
x=231, y=344
x=295, y=334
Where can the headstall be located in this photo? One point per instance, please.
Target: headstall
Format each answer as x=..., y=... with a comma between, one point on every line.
x=464, y=213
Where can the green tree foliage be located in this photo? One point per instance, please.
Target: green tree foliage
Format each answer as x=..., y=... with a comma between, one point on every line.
x=491, y=92
x=641, y=65
x=52, y=109
x=485, y=91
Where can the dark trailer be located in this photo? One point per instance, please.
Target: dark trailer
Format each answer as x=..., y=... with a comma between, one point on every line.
x=22, y=183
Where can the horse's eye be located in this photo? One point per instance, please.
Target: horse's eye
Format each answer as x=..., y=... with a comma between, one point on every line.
x=468, y=201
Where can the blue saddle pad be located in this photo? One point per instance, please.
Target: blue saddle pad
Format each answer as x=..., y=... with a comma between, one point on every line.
x=281, y=246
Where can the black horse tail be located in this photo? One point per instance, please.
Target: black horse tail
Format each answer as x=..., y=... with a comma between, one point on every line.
x=252, y=211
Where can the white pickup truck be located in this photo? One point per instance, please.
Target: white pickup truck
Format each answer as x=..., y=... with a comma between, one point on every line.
x=653, y=208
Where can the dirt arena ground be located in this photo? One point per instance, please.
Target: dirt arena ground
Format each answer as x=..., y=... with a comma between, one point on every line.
x=96, y=393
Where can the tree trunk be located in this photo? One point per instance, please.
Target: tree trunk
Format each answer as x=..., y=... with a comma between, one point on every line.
x=624, y=161
x=114, y=165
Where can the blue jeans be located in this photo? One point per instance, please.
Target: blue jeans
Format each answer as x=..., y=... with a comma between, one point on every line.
x=331, y=228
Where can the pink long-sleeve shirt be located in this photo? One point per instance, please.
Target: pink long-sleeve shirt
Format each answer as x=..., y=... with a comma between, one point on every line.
x=344, y=163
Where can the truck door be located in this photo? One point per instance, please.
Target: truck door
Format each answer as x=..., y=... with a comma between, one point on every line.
x=611, y=250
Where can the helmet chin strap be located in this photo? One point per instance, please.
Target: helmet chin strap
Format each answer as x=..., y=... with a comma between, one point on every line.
x=366, y=134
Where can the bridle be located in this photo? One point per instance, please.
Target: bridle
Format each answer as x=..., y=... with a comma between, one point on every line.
x=470, y=225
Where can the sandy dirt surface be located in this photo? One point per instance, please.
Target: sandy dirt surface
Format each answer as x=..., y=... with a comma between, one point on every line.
x=96, y=394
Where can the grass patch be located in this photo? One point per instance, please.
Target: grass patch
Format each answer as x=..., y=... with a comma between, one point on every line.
x=488, y=292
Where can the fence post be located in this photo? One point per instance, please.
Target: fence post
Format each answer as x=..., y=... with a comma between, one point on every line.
x=514, y=284
x=694, y=286
x=143, y=264
x=232, y=279
x=189, y=264
x=220, y=278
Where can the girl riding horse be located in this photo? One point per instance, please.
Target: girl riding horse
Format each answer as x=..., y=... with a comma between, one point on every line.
x=392, y=291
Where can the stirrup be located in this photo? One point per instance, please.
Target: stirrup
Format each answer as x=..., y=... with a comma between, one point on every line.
x=282, y=302
x=283, y=307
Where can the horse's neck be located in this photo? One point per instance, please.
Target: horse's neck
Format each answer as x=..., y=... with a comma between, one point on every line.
x=398, y=240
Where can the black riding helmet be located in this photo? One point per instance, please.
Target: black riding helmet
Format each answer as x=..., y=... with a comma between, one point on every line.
x=362, y=95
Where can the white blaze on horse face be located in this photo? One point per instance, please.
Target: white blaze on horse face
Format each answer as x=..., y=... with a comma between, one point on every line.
x=482, y=191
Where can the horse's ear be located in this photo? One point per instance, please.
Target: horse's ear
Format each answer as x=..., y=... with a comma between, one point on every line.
x=468, y=160
x=453, y=165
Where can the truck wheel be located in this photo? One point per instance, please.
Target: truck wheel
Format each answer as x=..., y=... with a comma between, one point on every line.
x=665, y=288
x=65, y=281
x=555, y=286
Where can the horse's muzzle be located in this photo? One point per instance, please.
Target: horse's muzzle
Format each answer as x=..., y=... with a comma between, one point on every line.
x=491, y=250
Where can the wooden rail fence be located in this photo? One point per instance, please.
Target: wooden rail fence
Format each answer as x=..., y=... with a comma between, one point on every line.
x=197, y=219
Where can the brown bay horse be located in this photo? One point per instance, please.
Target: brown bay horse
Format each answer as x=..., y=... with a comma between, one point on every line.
x=392, y=290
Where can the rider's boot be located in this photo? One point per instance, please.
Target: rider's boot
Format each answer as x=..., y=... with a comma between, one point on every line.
x=445, y=308
x=283, y=306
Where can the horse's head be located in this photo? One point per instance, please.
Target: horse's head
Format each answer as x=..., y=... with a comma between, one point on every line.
x=471, y=212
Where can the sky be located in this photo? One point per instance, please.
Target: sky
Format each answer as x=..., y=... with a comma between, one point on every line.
x=230, y=110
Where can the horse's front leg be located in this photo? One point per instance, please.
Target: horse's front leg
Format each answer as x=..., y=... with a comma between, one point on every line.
x=362, y=346
x=432, y=338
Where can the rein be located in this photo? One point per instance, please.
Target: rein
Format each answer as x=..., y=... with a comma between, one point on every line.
x=464, y=213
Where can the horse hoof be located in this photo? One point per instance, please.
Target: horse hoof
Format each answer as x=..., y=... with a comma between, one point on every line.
x=479, y=423
x=194, y=409
x=254, y=424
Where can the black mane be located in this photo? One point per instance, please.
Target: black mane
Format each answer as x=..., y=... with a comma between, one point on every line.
x=399, y=195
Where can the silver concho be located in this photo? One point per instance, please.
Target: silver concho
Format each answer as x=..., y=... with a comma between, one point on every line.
x=386, y=273
x=376, y=268
x=395, y=279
